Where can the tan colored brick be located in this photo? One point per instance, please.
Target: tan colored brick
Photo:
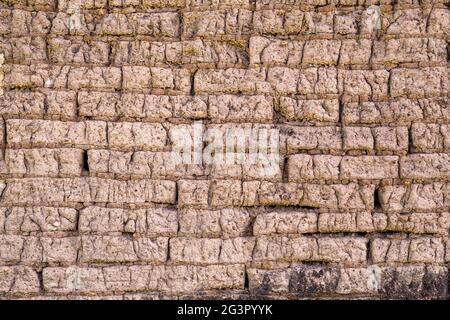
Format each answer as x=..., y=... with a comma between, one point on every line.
x=149, y=222
x=363, y=82
x=240, y=108
x=113, y=106
x=173, y=279
x=369, y=167
x=35, y=251
x=46, y=133
x=415, y=197
x=193, y=193
x=216, y=23
x=409, y=51
x=309, y=110
x=419, y=250
x=430, y=137
x=425, y=166
x=107, y=78
x=15, y=220
x=401, y=111
x=309, y=167
x=419, y=83
x=42, y=162
x=18, y=279
x=116, y=249
x=290, y=222
x=141, y=136
x=41, y=190
x=344, y=250
x=309, y=138
x=264, y=50
x=225, y=223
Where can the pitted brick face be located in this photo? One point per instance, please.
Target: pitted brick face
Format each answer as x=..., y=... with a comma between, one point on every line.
x=224, y=148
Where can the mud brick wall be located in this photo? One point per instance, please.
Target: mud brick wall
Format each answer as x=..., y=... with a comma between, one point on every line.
x=93, y=206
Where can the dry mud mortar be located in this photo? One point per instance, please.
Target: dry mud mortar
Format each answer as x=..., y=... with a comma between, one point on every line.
x=95, y=93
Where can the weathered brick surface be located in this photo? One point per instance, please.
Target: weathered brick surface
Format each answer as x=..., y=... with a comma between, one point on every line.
x=224, y=149
x=404, y=282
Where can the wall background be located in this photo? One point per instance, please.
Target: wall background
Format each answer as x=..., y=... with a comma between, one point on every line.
x=93, y=206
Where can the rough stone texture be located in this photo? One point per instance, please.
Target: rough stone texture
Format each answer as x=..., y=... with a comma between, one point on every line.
x=97, y=97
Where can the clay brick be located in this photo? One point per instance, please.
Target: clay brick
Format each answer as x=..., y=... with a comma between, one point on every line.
x=309, y=167
x=144, y=164
x=369, y=167
x=35, y=105
x=140, y=136
x=42, y=162
x=211, y=251
x=228, y=108
x=18, y=279
x=98, y=100
x=430, y=137
x=391, y=139
x=108, y=78
x=193, y=193
x=98, y=249
x=16, y=220
x=290, y=22
x=419, y=83
x=346, y=222
x=71, y=23
x=174, y=279
x=43, y=133
x=150, y=222
x=363, y=82
x=322, y=52
x=69, y=5
x=417, y=21
x=404, y=282
x=199, y=51
x=344, y=250
x=425, y=166
x=309, y=110
x=20, y=22
x=290, y=222
x=415, y=197
x=401, y=111
x=416, y=222
x=113, y=106
x=264, y=50
x=11, y=249
x=406, y=50
x=414, y=282
x=157, y=24
x=34, y=251
x=419, y=250
x=314, y=281
x=25, y=49
x=225, y=223
x=44, y=76
x=355, y=52
x=41, y=190
x=309, y=138
x=268, y=281
x=438, y=21
x=248, y=81
x=216, y=23
x=279, y=80
x=71, y=51
x=350, y=196
x=303, y=81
